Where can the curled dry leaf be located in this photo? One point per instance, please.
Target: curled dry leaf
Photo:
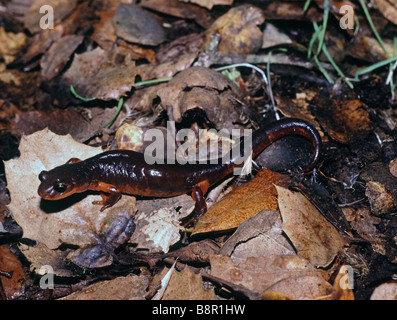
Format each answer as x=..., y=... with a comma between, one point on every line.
x=314, y=238
x=73, y=220
x=243, y=203
x=199, y=88
x=98, y=74
x=385, y=291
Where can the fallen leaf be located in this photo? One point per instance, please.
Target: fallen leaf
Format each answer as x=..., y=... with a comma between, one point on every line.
x=342, y=119
x=313, y=237
x=158, y=222
x=40, y=256
x=61, y=122
x=135, y=24
x=13, y=287
x=58, y=55
x=181, y=10
x=104, y=35
x=243, y=203
x=98, y=74
x=260, y=235
x=388, y=8
x=61, y=9
x=385, y=291
x=131, y=287
x=185, y=285
x=238, y=30
x=73, y=220
x=272, y=36
x=10, y=44
x=209, y=4
x=198, y=88
x=289, y=275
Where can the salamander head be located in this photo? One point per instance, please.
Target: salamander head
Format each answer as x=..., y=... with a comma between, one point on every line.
x=58, y=183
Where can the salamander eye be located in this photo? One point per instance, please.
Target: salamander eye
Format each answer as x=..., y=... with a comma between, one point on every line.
x=43, y=175
x=60, y=187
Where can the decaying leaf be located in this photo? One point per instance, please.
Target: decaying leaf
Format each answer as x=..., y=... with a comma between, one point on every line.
x=184, y=285
x=388, y=8
x=342, y=119
x=98, y=74
x=238, y=30
x=260, y=235
x=158, y=222
x=74, y=220
x=314, y=238
x=243, y=203
x=58, y=55
x=135, y=24
x=198, y=88
x=385, y=291
x=60, y=8
x=14, y=287
x=131, y=287
x=181, y=10
x=40, y=256
x=289, y=275
x=210, y=3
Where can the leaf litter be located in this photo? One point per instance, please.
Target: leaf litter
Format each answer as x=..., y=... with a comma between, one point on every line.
x=258, y=240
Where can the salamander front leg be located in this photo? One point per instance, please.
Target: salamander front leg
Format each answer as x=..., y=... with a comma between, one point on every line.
x=198, y=192
x=110, y=195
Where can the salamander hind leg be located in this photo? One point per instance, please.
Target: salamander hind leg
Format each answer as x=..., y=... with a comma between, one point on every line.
x=198, y=192
x=110, y=195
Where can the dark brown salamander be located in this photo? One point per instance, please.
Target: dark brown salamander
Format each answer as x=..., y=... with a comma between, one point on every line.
x=123, y=171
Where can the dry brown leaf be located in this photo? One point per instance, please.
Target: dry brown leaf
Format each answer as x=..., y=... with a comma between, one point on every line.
x=55, y=59
x=184, y=285
x=131, y=287
x=388, y=8
x=13, y=287
x=40, y=256
x=385, y=291
x=314, y=238
x=137, y=25
x=181, y=10
x=342, y=119
x=210, y=3
x=260, y=235
x=105, y=36
x=98, y=74
x=73, y=220
x=10, y=44
x=288, y=275
x=158, y=223
x=238, y=30
x=61, y=9
x=243, y=203
x=202, y=88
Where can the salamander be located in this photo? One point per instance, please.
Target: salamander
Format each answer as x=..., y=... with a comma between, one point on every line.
x=118, y=172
